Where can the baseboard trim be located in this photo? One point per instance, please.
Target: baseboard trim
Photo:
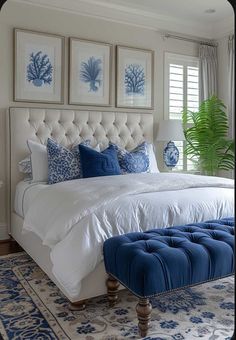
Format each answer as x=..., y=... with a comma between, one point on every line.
x=3, y=232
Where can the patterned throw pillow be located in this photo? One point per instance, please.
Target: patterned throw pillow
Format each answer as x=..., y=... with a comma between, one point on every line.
x=63, y=164
x=24, y=166
x=135, y=161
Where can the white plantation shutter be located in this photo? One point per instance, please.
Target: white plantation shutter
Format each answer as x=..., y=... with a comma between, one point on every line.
x=176, y=91
x=181, y=90
x=192, y=88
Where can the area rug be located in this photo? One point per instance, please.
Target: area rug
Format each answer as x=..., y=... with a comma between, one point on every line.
x=32, y=307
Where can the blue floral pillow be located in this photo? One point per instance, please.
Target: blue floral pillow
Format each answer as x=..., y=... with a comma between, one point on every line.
x=135, y=161
x=63, y=164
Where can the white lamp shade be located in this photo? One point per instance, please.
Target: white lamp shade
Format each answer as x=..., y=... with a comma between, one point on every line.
x=170, y=130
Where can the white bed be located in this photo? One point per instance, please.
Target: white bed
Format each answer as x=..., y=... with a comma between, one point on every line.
x=24, y=194
x=179, y=202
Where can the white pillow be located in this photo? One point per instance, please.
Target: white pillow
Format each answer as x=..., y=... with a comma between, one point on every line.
x=39, y=161
x=152, y=159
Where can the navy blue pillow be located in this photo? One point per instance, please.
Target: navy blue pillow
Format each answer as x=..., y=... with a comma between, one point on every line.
x=96, y=163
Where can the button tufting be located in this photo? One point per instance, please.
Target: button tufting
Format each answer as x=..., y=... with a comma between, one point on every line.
x=196, y=261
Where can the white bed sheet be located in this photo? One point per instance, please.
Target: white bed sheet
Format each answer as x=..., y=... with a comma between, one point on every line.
x=76, y=217
x=24, y=195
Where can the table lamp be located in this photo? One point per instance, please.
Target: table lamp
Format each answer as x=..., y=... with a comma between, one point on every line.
x=170, y=130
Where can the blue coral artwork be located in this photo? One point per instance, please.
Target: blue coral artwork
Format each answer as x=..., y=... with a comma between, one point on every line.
x=90, y=63
x=39, y=67
x=39, y=70
x=91, y=73
x=134, y=80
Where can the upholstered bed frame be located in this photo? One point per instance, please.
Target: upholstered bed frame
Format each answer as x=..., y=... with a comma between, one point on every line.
x=66, y=127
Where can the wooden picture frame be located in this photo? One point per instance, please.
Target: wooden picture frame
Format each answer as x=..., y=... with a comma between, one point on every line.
x=38, y=67
x=90, y=72
x=134, y=77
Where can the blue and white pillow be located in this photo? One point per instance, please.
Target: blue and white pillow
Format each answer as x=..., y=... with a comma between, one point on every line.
x=24, y=166
x=63, y=164
x=135, y=161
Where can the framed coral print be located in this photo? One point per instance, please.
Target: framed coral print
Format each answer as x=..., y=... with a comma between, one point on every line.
x=38, y=67
x=90, y=72
x=134, y=78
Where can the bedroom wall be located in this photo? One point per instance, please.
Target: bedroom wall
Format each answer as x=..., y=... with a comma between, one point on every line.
x=68, y=24
x=223, y=62
x=223, y=86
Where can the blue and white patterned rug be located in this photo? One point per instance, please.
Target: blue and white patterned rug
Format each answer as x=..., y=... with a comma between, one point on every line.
x=32, y=307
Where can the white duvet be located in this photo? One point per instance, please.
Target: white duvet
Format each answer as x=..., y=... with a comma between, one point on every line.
x=74, y=218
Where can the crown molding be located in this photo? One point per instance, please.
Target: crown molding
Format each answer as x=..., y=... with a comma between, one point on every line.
x=135, y=17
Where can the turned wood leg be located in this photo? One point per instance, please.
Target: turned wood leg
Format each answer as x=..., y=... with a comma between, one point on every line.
x=77, y=306
x=143, y=309
x=112, y=290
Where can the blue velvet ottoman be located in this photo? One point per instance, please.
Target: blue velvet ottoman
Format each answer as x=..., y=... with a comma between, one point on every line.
x=160, y=260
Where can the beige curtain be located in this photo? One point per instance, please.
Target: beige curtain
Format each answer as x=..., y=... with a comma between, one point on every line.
x=207, y=71
x=231, y=70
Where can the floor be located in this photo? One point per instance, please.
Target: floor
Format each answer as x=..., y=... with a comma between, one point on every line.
x=9, y=247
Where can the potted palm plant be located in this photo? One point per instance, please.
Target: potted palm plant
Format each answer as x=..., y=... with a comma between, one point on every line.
x=206, y=134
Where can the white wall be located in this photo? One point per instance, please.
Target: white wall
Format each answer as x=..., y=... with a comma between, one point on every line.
x=36, y=18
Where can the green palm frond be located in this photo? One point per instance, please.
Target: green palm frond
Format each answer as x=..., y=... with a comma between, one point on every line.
x=206, y=134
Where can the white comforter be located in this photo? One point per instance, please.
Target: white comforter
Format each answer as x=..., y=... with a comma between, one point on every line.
x=74, y=218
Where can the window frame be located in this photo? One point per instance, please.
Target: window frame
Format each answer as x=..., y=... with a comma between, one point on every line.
x=184, y=60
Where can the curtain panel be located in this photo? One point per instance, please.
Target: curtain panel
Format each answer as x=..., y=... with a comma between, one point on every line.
x=231, y=84
x=207, y=71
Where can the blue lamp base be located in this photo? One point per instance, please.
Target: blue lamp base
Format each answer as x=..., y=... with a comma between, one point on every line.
x=171, y=155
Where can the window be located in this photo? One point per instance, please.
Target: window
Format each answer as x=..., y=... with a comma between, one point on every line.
x=181, y=90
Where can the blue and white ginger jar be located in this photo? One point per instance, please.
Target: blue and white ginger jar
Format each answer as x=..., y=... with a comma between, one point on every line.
x=171, y=155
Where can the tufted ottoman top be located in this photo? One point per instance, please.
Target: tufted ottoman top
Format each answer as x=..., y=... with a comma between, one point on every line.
x=159, y=260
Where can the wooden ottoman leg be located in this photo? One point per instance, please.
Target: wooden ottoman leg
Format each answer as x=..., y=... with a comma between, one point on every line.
x=77, y=306
x=143, y=309
x=112, y=290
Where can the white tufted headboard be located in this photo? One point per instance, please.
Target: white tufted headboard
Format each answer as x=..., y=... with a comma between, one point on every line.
x=69, y=126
